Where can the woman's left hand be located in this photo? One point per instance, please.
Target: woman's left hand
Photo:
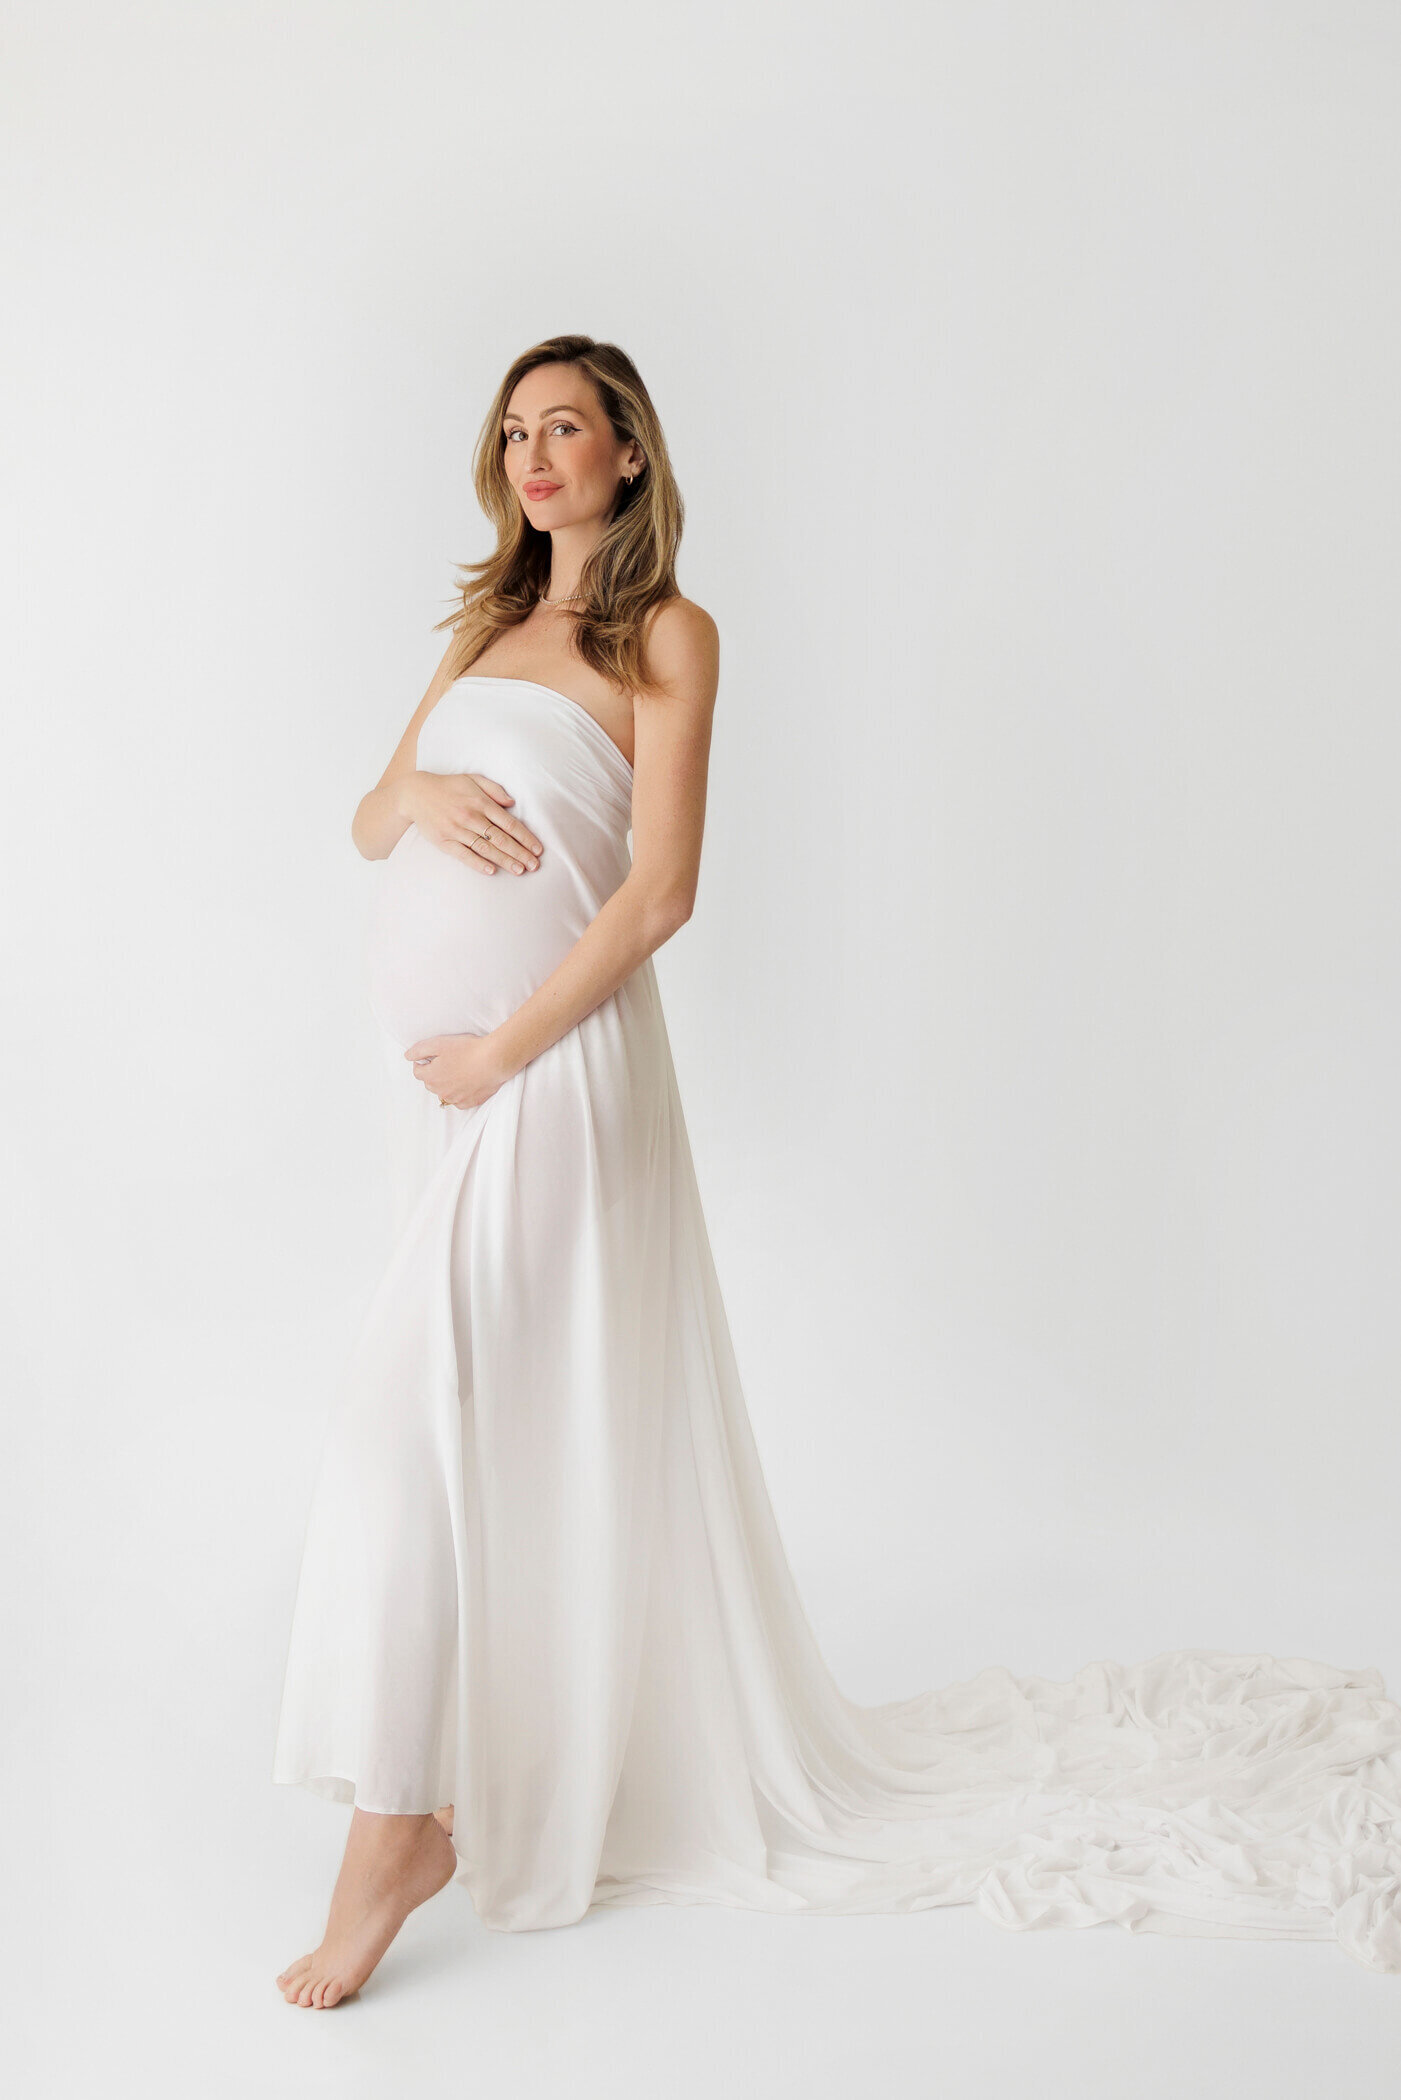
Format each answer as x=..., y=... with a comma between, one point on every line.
x=462, y=1070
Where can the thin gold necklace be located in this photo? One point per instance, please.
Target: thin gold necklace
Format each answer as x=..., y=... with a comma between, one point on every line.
x=572, y=599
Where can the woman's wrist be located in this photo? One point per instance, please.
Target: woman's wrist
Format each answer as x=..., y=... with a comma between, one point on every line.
x=404, y=795
x=503, y=1063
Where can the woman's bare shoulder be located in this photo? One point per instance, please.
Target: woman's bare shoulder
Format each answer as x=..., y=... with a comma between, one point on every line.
x=682, y=645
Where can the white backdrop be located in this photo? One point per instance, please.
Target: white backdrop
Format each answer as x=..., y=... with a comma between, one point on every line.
x=1029, y=374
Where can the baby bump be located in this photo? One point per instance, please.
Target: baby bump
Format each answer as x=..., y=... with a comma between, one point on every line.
x=454, y=951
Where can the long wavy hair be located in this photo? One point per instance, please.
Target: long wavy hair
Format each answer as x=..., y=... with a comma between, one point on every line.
x=633, y=567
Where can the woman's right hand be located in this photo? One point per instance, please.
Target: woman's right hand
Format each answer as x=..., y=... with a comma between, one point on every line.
x=467, y=815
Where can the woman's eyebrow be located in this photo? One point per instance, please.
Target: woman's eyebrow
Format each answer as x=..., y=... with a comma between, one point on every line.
x=511, y=413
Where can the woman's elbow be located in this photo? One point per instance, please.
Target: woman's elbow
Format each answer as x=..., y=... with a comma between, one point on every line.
x=665, y=911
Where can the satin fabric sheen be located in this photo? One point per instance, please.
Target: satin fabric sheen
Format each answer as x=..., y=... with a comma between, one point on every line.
x=542, y=1578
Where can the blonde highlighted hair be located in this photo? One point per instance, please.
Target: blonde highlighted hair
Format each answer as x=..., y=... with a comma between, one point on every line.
x=633, y=567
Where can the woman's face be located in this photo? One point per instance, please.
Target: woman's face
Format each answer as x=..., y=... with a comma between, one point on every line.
x=562, y=457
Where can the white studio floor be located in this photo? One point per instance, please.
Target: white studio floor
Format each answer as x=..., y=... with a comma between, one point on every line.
x=173, y=1897
x=174, y=1879
x=172, y=1994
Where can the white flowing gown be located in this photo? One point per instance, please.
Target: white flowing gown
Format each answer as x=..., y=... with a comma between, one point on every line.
x=542, y=1578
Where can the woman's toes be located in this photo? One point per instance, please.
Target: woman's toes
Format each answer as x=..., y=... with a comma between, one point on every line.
x=333, y=1992
x=304, y=1994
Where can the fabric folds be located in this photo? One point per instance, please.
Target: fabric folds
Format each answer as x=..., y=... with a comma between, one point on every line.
x=542, y=1577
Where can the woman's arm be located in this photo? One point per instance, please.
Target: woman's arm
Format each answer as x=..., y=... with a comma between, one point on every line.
x=451, y=809
x=670, y=763
x=380, y=821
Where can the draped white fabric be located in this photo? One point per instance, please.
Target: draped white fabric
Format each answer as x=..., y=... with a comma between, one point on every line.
x=542, y=1578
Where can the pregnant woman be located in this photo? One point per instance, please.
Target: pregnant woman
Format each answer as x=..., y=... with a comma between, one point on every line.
x=545, y=1639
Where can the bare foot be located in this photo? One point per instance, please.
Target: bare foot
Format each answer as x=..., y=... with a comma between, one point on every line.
x=391, y=1865
x=444, y=1816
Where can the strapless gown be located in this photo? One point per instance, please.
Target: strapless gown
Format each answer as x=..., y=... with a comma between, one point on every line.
x=542, y=1578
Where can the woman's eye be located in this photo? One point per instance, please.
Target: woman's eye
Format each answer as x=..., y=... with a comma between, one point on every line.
x=554, y=426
